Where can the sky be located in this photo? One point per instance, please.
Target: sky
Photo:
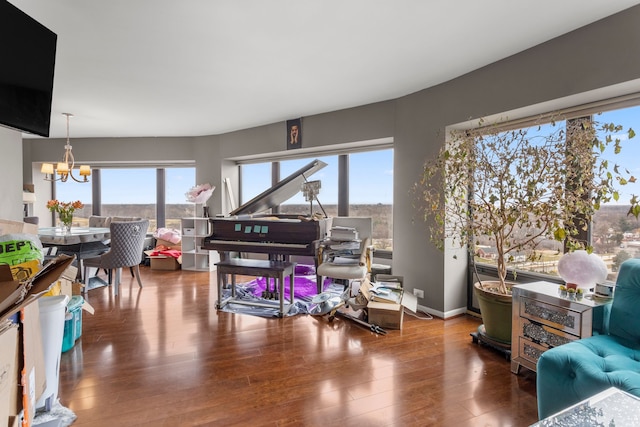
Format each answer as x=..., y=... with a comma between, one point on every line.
x=371, y=178
x=629, y=157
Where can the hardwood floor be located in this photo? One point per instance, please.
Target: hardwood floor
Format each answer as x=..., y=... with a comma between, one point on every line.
x=163, y=356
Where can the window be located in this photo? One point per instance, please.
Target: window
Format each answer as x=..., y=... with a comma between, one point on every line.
x=71, y=191
x=129, y=193
x=328, y=195
x=371, y=193
x=614, y=235
x=177, y=182
x=132, y=192
x=256, y=178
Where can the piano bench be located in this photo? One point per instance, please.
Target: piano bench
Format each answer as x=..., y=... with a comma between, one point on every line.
x=258, y=268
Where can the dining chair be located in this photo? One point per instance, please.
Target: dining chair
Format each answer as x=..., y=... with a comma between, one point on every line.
x=345, y=260
x=99, y=221
x=104, y=221
x=127, y=240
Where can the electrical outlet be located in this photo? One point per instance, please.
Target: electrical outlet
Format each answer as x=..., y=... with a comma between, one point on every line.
x=418, y=292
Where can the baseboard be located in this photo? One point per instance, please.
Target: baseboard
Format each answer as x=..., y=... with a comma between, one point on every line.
x=441, y=314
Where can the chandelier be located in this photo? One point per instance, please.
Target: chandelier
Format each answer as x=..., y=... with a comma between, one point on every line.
x=65, y=168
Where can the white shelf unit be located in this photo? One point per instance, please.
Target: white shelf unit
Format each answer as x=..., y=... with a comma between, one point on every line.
x=194, y=230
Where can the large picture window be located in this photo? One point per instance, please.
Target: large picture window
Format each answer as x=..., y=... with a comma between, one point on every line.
x=613, y=234
x=132, y=192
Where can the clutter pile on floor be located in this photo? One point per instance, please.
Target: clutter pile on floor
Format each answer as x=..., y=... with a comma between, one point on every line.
x=377, y=306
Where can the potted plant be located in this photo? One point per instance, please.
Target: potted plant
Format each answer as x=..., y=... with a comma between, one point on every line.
x=515, y=188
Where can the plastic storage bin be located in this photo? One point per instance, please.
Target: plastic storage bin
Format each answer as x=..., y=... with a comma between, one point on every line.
x=52, y=324
x=72, y=323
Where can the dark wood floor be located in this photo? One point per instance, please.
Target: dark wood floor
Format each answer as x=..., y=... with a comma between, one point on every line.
x=163, y=356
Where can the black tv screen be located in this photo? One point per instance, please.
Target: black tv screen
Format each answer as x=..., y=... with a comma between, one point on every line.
x=27, y=58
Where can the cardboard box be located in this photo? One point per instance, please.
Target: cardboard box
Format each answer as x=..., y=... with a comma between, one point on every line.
x=386, y=314
x=168, y=244
x=9, y=361
x=15, y=295
x=33, y=378
x=164, y=263
x=18, y=296
x=68, y=286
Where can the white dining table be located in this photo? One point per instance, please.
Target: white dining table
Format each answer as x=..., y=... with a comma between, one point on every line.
x=83, y=242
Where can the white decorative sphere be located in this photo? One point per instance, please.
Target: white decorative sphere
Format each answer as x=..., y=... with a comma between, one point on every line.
x=582, y=268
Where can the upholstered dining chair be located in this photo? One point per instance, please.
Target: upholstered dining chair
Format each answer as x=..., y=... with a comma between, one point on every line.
x=125, y=218
x=99, y=221
x=127, y=241
x=350, y=264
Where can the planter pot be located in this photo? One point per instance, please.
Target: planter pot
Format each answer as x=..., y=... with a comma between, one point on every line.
x=495, y=309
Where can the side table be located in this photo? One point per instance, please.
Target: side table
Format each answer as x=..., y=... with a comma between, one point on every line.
x=543, y=318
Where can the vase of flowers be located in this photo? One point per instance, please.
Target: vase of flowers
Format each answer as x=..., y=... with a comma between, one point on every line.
x=65, y=211
x=199, y=194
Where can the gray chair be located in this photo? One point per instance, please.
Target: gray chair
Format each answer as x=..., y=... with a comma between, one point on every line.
x=127, y=240
x=125, y=218
x=346, y=265
x=99, y=221
x=31, y=220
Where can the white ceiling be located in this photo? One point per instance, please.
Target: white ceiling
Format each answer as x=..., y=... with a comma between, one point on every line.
x=203, y=67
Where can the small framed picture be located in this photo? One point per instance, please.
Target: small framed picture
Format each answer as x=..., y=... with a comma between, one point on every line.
x=294, y=134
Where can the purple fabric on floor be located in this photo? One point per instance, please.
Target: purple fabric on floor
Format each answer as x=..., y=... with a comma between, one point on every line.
x=303, y=286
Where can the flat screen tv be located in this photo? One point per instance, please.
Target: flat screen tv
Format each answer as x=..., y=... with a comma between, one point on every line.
x=27, y=62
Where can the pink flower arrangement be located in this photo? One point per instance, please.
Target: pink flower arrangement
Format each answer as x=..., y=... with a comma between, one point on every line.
x=200, y=193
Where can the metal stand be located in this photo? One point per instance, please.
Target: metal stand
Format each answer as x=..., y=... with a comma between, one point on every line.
x=480, y=337
x=374, y=328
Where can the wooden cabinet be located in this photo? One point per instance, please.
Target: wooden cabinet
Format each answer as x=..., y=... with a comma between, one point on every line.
x=194, y=230
x=543, y=318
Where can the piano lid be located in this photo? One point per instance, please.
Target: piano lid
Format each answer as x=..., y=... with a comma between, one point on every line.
x=281, y=192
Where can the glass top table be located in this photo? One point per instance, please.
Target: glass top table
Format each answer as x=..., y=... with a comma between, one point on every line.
x=611, y=407
x=58, y=236
x=83, y=242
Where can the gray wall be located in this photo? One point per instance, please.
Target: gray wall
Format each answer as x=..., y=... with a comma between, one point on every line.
x=592, y=63
x=11, y=195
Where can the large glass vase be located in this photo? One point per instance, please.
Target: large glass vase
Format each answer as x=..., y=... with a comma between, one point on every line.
x=66, y=218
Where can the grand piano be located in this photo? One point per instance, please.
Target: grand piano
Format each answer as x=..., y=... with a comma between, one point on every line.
x=249, y=229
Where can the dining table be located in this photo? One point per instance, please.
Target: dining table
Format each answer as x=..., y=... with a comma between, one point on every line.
x=83, y=242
